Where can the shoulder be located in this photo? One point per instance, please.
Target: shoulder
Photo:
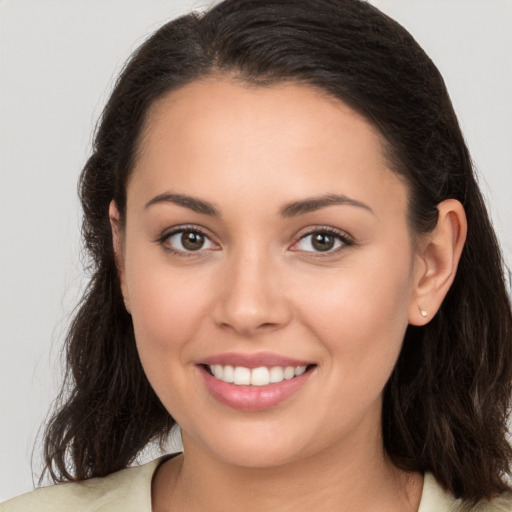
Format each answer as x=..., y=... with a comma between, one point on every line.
x=128, y=490
x=437, y=499
x=502, y=503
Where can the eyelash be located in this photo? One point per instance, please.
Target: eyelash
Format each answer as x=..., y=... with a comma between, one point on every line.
x=344, y=239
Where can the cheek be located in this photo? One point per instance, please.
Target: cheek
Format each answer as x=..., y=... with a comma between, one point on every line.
x=167, y=308
x=166, y=313
x=361, y=313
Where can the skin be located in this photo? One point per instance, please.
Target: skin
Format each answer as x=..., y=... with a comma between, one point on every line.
x=258, y=285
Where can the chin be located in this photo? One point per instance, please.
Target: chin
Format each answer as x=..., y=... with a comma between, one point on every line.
x=257, y=457
x=263, y=446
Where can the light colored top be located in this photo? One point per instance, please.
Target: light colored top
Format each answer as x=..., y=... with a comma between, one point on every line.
x=129, y=490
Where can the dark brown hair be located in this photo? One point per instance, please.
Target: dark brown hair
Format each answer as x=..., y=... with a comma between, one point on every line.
x=446, y=403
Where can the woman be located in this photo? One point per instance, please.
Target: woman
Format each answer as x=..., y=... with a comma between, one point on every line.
x=292, y=262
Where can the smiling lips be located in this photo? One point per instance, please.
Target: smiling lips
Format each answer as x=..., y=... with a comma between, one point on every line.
x=261, y=376
x=253, y=382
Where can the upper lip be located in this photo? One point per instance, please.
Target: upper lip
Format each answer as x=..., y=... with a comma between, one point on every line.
x=267, y=359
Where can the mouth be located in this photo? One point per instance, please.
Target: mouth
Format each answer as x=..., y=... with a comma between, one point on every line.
x=254, y=383
x=260, y=376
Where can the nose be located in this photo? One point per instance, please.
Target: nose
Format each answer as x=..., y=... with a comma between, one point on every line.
x=251, y=299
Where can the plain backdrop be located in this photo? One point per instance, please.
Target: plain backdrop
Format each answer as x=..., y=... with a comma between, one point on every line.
x=58, y=60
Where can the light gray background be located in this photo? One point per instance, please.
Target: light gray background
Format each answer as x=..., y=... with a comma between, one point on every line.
x=58, y=59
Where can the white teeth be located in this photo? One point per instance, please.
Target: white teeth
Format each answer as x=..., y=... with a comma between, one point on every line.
x=276, y=374
x=299, y=370
x=242, y=376
x=261, y=376
x=217, y=370
x=228, y=374
x=289, y=372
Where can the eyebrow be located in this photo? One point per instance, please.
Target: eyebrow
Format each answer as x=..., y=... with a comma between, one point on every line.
x=316, y=203
x=192, y=203
x=292, y=209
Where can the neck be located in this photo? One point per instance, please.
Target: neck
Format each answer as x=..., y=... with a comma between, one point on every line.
x=340, y=479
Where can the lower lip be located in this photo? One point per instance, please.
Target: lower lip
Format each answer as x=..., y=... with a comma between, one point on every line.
x=252, y=398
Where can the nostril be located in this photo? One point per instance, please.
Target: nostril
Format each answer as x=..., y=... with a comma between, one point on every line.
x=267, y=324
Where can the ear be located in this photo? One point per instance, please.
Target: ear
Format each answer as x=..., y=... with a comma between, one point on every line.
x=117, y=242
x=437, y=260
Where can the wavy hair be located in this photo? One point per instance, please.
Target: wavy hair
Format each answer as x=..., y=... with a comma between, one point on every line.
x=447, y=400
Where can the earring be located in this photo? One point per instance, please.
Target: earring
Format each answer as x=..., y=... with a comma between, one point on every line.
x=423, y=313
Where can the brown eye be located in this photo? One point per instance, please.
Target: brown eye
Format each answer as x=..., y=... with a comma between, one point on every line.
x=323, y=241
x=188, y=240
x=192, y=240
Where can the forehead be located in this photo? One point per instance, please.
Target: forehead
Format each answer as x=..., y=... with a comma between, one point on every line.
x=224, y=136
x=222, y=107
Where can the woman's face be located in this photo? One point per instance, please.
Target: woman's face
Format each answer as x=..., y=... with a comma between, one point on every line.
x=266, y=241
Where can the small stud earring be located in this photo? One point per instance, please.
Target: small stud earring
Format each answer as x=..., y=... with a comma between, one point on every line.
x=423, y=313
